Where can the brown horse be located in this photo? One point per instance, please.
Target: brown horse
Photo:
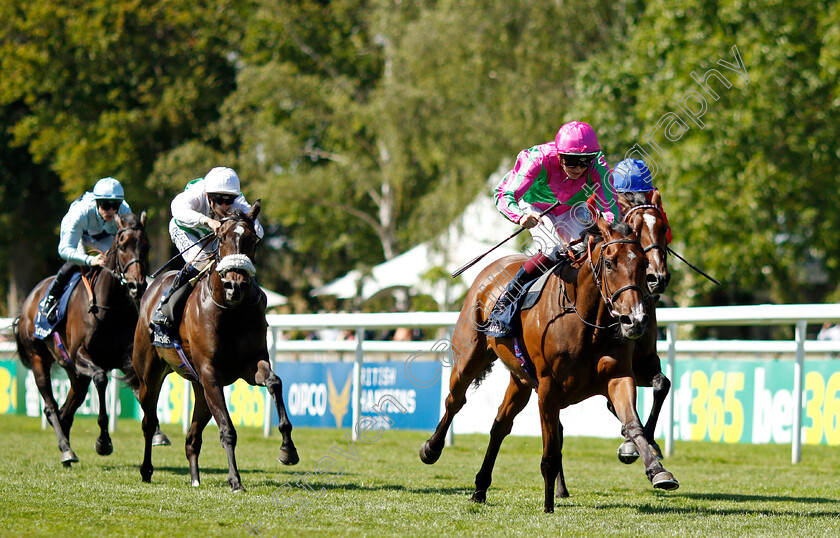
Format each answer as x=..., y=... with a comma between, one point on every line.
x=647, y=221
x=97, y=337
x=570, y=340
x=223, y=337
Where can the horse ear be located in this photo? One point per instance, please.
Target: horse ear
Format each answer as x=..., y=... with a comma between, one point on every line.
x=603, y=225
x=656, y=198
x=255, y=209
x=143, y=218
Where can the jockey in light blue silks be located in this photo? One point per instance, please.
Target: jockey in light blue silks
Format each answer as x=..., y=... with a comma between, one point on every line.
x=89, y=224
x=196, y=212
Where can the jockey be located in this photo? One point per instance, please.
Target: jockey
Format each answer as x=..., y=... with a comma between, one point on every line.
x=572, y=170
x=196, y=212
x=633, y=175
x=88, y=224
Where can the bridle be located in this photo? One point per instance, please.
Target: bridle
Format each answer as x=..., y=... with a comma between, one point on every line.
x=663, y=248
x=121, y=269
x=598, y=268
x=234, y=262
x=609, y=298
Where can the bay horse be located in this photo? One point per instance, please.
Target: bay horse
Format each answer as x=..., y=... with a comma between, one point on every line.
x=96, y=336
x=647, y=220
x=570, y=350
x=222, y=337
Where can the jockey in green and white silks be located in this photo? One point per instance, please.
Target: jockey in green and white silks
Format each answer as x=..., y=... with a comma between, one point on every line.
x=89, y=224
x=196, y=212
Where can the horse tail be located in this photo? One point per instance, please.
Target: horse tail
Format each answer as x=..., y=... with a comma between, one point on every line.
x=129, y=377
x=483, y=375
x=24, y=356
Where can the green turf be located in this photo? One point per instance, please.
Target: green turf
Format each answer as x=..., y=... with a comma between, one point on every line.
x=725, y=489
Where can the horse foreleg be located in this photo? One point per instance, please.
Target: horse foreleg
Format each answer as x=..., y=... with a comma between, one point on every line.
x=560, y=486
x=201, y=416
x=159, y=438
x=516, y=398
x=86, y=366
x=215, y=397
x=466, y=368
x=550, y=465
x=622, y=393
x=266, y=377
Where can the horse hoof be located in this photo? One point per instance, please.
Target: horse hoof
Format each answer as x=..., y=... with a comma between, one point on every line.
x=428, y=455
x=104, y=447
x=665, y=480
x=195, y=483
x=240, y=489
x=479, y=497
x=68, y=457
x=561, y=494
x=627, y=452
x=549, y=509
x=288, y=457
x=160, y=440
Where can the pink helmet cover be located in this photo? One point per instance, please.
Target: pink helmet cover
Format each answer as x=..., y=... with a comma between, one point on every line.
x=576, y=137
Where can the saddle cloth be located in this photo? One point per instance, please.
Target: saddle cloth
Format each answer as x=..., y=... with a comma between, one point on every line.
x=44, y=328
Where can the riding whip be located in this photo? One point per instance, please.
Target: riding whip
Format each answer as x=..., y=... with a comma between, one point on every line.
x=505, y=240
x=175, y=257
x=694, y=267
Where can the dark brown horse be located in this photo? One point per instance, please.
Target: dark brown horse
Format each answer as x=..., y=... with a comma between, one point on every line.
x=579, y=341
x=647, y=221
x=223, y=337
x=97, y=336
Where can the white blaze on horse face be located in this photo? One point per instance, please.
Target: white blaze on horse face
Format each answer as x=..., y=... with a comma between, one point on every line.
x=650, y=220
x=631, y=256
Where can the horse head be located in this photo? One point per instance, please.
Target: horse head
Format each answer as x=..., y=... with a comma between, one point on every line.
x=131, y=253
x=237, y=244
x=618, y=266
x=647, y=222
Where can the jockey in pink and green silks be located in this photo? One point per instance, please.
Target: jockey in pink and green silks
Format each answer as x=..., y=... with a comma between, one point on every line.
x=570, y=170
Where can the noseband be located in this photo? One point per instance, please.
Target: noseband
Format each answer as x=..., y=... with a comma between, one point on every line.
x=234, y=262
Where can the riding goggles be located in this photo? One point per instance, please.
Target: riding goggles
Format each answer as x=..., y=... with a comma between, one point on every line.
x=222, y=199
x=573, y=161
x=109, y=204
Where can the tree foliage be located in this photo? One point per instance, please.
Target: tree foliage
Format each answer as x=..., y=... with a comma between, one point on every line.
x=366, y=125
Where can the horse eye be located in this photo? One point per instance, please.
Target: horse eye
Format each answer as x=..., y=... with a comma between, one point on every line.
x=608, y=265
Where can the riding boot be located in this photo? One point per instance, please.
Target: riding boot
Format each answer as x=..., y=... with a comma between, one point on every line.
x=499, y=321
x=172, y=303
x=49, y=305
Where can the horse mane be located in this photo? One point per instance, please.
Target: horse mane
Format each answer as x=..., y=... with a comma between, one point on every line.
x=621, y=227
x=635, y=198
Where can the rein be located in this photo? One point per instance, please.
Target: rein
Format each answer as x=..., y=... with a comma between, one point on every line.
x=666, y=249
x=118, y=274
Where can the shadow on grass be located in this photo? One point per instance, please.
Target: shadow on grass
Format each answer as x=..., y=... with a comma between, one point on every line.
x=757, y=498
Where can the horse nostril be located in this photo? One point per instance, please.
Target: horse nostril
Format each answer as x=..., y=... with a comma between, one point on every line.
x=228, y=285
x=625, y=320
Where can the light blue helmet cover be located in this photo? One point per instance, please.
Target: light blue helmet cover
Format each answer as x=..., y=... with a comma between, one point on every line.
x=632, y=175
x=108, y=188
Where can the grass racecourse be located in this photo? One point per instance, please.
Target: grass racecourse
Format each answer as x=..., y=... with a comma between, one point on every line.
x=725, y=490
